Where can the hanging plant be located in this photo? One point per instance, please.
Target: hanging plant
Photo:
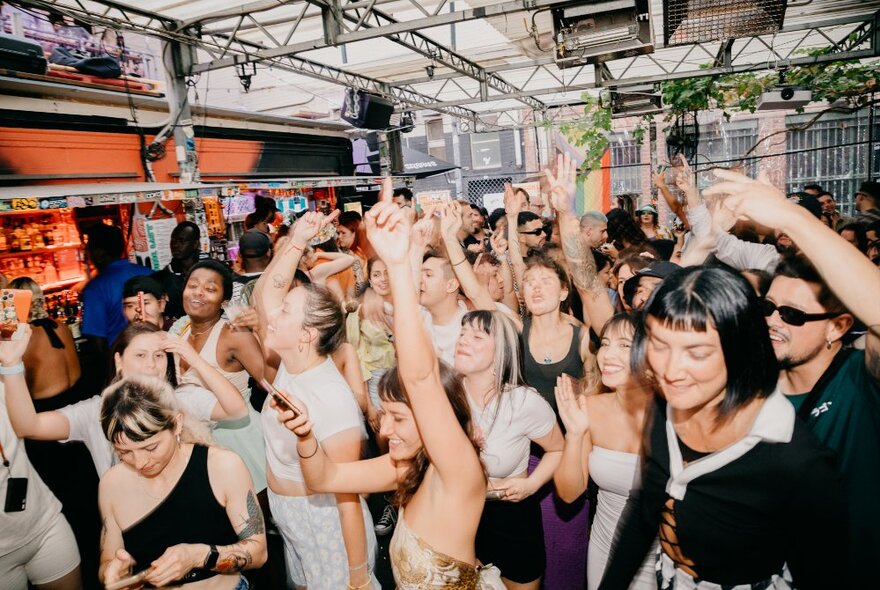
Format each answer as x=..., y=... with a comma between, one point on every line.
x=590, y=132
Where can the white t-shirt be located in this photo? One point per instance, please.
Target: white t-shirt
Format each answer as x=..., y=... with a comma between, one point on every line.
x=331, y=406
x=85, y=422
x=444, y=336
x=507, y=426
x=20, y=528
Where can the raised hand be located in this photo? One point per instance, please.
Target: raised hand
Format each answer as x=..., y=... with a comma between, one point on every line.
x=562, y=184
x=309, y=225
x=572, y=407
x=499, y=244
x=388, y=227
x=512, y=202
x=450, y=221
x=754, y=199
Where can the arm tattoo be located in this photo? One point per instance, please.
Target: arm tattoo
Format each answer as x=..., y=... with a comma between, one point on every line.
x=279, y=282
x=581, y=262
x=235, y=560
x=253, y=523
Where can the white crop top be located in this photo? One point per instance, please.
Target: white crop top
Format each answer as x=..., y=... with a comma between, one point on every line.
x=331, y=406
x=522, y=416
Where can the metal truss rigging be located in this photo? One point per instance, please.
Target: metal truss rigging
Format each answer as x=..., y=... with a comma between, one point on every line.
x=229, y=37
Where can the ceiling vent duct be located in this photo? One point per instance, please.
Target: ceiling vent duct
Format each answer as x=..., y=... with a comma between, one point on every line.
x=596, y=32
x=698, y=21
x=635, y=100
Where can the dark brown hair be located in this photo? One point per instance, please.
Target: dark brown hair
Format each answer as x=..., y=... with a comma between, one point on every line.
x=391, y=390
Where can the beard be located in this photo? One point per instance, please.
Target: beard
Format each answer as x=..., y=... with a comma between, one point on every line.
x=789, y=361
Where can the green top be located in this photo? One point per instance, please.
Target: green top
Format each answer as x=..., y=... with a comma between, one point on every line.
x=846, y=418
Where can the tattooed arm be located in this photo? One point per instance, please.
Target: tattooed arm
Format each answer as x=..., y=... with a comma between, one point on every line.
x=230, y=482
x=581, y=263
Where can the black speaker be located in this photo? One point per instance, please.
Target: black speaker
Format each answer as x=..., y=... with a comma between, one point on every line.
x=365, y=110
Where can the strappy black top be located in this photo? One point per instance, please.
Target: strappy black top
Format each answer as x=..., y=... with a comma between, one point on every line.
x=189, y=514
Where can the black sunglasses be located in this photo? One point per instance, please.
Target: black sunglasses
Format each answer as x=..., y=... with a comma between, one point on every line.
x=792, y=316
x=534, y=232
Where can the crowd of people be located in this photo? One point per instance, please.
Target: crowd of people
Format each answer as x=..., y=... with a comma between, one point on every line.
x=525, y=399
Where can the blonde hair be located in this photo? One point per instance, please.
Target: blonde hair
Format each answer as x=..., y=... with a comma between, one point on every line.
x=140, y=407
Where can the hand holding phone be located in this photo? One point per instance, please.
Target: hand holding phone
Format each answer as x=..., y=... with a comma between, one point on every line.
x=283, y=402
x=129, y=581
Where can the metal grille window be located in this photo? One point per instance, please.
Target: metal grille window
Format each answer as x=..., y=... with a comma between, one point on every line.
x=832, y=153
x=485, y=150
x=723, y=144
x=626, y=168
x=477, y=188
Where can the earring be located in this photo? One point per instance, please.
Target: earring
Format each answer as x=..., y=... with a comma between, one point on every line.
x=178, y=440
x=828, y=344
x=300, y=347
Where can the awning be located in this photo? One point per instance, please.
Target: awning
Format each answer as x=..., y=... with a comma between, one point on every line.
x=422, y=165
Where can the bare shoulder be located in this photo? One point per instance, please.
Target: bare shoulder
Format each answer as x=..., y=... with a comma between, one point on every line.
x=223, y=461
x=115, y=480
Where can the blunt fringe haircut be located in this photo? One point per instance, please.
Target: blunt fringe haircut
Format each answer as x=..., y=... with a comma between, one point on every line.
x=694, y=299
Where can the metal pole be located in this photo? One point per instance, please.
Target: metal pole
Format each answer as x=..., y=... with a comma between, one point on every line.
x=871, y=139
x=178, y=60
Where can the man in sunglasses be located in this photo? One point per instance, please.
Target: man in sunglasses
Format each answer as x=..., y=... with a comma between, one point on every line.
x=530, y=228
x=810, y=306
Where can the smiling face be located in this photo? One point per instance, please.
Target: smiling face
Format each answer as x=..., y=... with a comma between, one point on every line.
x=149, y=457
x=827, y=203
x=542, y=290
x=143, y=356
x=474, y=350
x=398, y=426
x=688, y=366
x=796, y=345
x=613, y=356
x=285, y=329
x=379, y=278
x=203, y=294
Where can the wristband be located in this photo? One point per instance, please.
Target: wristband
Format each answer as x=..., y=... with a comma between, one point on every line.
x=12, y=370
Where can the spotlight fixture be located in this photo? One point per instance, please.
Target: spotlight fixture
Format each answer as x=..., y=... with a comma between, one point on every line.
x=246, y=71
x=429, y=70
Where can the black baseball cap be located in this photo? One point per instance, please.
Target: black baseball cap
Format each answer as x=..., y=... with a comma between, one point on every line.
x=660, y=270
x=254, y=244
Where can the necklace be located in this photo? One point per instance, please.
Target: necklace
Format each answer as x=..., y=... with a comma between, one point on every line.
x=205, y=331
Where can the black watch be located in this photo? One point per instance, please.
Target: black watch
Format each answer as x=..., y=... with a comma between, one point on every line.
x=211, y=560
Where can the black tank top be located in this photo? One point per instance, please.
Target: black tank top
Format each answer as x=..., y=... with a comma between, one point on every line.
x=189, y=514
x=543, y=376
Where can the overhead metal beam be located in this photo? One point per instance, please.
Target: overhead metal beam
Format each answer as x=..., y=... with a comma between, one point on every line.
x=402, y=33
x=698, y=73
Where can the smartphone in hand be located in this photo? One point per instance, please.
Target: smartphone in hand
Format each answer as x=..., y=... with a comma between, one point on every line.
x=280, y=398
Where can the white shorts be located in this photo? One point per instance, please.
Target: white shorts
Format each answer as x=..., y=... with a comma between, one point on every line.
x=44, y=559
x=313, y=547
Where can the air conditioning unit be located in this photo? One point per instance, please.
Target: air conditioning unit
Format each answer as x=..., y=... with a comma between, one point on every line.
x=595, y=32
x=784, y=99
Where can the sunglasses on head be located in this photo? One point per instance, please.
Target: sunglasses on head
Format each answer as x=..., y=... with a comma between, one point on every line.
x=533, y=232
x=792, y=316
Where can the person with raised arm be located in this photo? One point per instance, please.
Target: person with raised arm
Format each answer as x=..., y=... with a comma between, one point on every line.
x=433, y=461
x=329, y=539
x=141, y=349
x=596, y=302
x=810, y=306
